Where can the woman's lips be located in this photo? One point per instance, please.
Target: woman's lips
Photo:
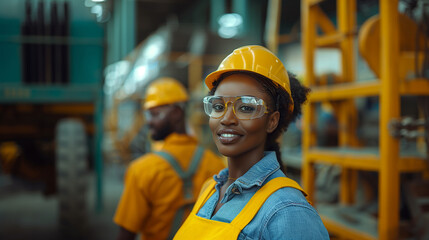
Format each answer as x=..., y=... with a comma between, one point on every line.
x=228, y=137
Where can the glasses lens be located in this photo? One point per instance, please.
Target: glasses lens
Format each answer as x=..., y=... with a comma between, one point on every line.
x=157, y=112
x=214, y=106
x=248, y=108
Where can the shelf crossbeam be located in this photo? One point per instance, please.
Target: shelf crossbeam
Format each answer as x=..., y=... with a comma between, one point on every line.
x=348, y=223
x=419, y=86
x=364, y=159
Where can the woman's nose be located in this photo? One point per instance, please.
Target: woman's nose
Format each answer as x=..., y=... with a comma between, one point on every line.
x=229, y=118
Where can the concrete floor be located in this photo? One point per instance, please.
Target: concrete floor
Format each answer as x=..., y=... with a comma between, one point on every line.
x=25, y=213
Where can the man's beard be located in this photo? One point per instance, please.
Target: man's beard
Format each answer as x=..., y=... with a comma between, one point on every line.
x=161, y=134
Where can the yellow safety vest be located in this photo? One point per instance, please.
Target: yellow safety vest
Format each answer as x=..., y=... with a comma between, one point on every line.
x=196, y=227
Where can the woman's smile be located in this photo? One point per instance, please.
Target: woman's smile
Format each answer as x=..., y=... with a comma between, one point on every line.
x=228, y=136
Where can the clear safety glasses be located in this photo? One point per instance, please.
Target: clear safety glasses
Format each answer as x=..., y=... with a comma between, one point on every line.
x=244, y=107
x=160, y=113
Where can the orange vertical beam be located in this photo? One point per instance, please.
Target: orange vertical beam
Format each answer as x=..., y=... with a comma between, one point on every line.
x=343, y=125
x=390, y=108
x=308, y=172
x=273, y=25
x=309, y=35
x=348, y=186
x=308, y=40
x=346, y=14
x=346, y=134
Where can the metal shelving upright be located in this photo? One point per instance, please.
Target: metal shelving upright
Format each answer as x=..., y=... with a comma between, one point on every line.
x=387, y=160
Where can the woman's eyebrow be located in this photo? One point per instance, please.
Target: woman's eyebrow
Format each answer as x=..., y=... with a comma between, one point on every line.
x=234, y=96
x=225, y=96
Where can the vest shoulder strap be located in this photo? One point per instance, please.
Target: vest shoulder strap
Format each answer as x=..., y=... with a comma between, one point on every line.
x=196, y=159
x=204, y=195
x=255, y=203
x=186, y=177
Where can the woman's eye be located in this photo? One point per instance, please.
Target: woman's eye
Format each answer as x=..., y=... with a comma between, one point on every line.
x=218, y=107
x=247, y=108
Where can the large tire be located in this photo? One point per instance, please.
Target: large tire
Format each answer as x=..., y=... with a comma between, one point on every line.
x=72, y=182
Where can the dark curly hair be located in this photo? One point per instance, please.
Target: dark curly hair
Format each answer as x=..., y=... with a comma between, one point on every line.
x=280, y=101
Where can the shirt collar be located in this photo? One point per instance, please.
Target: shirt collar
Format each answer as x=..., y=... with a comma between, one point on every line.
x=222, y=176
x=259, y=172
x=256, y=175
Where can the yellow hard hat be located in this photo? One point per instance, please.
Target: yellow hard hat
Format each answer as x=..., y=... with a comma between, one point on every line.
x=256, y=59
x=164, y=91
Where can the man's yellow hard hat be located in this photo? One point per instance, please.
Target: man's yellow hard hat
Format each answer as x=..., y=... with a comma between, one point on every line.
x=165, y=90
x=256, y=59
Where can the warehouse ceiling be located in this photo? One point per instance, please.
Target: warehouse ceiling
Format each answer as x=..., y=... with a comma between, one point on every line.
x=152, y=14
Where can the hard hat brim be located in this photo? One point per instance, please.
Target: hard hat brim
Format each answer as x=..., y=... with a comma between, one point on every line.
x=212, y=77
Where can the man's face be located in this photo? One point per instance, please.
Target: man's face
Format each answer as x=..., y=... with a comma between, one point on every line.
x=158, y=121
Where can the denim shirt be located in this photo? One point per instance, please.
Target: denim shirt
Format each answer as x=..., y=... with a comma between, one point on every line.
x=286, y=214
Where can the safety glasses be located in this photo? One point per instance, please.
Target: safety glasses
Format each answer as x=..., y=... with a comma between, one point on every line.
x=159, y=112
x=244, y=107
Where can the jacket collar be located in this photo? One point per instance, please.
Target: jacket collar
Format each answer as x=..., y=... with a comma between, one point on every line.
x=179, y=139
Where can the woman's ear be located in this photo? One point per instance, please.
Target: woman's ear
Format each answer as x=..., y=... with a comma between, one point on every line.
x=273, y=121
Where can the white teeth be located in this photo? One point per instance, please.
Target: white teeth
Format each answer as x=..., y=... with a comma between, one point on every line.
x=228, y=135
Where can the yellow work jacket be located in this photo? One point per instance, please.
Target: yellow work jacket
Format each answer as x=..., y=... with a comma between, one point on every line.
x=153, y=191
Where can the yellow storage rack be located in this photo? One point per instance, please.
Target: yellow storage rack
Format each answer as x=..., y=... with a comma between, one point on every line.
x=387, y=159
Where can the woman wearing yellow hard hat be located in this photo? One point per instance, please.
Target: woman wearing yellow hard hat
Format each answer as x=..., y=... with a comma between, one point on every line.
x=252, y=101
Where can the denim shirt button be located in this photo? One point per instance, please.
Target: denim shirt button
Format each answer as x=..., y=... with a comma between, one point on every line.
x=235, y=190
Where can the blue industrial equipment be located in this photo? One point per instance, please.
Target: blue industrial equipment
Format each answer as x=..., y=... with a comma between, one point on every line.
x=52, y=75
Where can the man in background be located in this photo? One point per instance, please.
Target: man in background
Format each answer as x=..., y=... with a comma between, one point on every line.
x=161, y=187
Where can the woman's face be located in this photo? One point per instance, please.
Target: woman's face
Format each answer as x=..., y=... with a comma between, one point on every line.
x=232, y=136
